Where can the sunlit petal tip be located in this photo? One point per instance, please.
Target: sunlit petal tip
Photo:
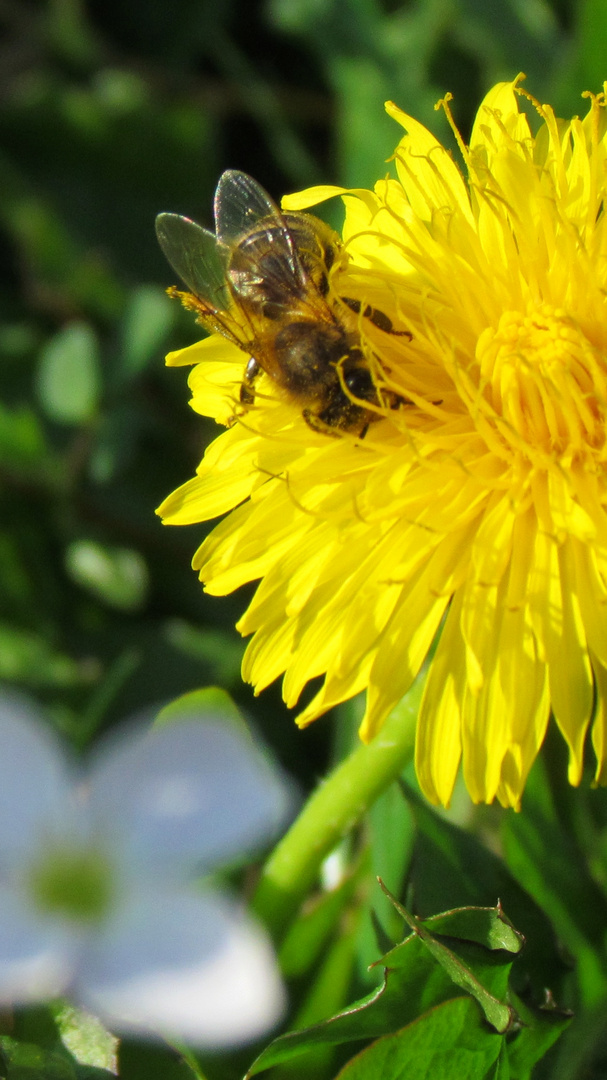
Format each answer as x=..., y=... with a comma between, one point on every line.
x=301, y=200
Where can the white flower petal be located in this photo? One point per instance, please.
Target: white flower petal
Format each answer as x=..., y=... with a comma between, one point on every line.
x=195, y=790
x=184, y=965
x=34, y=782
x=37, y=956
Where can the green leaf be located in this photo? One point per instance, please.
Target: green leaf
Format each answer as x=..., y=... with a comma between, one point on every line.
x=209, y=703
x=582, y=67
x=452, y=868
x=148, y=319
x=327, y=993
x=412, y=985
x=312, y=928
x=28, y=658
x=221, y=651
x=86, y=1038
x=390, y=832
x=542, y=851
x=581, y=1055
x=92, y=1072
x=486, y=926
x=332, y=981
x=449, y=1043
x=147, y=1060
x=415, y=982
x=118, y=576
x=24, y=1061
x=68, y=381
x=190, y=1063
x=21, y=438
x=18, y=339
x=478, y=972
x=539, y=1030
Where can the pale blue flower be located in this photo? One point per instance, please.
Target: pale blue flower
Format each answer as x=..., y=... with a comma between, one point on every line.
x=99, y=892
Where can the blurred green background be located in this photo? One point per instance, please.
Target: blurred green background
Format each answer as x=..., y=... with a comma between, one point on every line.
x=109, y=113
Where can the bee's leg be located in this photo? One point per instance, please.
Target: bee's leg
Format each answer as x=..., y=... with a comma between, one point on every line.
x=247, y=387
x=378, y=318
x=338, y=417
x=320, y=426
x=359, y=381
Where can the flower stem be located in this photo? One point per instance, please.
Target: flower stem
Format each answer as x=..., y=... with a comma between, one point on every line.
x=330, y=812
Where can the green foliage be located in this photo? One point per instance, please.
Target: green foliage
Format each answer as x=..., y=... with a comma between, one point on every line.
x=76, y=1057
x=452, y=1042
x=420, y=1023
x=68, y=375
x=118, y=576
x=85, y=1038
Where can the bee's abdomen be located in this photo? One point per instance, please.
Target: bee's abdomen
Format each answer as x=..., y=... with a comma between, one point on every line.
x=307, y=355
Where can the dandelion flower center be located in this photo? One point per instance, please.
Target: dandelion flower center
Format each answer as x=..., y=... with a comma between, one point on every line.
x=543, y=380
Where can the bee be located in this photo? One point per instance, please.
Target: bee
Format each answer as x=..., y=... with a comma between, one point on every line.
x=262, y=280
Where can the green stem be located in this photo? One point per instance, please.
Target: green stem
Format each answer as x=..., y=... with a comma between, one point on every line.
x=330, y=812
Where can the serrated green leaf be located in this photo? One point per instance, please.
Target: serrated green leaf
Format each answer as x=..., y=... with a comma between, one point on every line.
x=69, y=381
x=479, y=971
x=448, y=1043
x=412, y=985
x=420, y=973
x=452, y=868
x=486, y=926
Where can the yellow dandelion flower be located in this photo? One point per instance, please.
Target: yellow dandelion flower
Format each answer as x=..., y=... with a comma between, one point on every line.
x=475, y=505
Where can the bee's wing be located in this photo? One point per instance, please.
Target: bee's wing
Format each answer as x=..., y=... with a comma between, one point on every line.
x=197, y=257
x=240, y=204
